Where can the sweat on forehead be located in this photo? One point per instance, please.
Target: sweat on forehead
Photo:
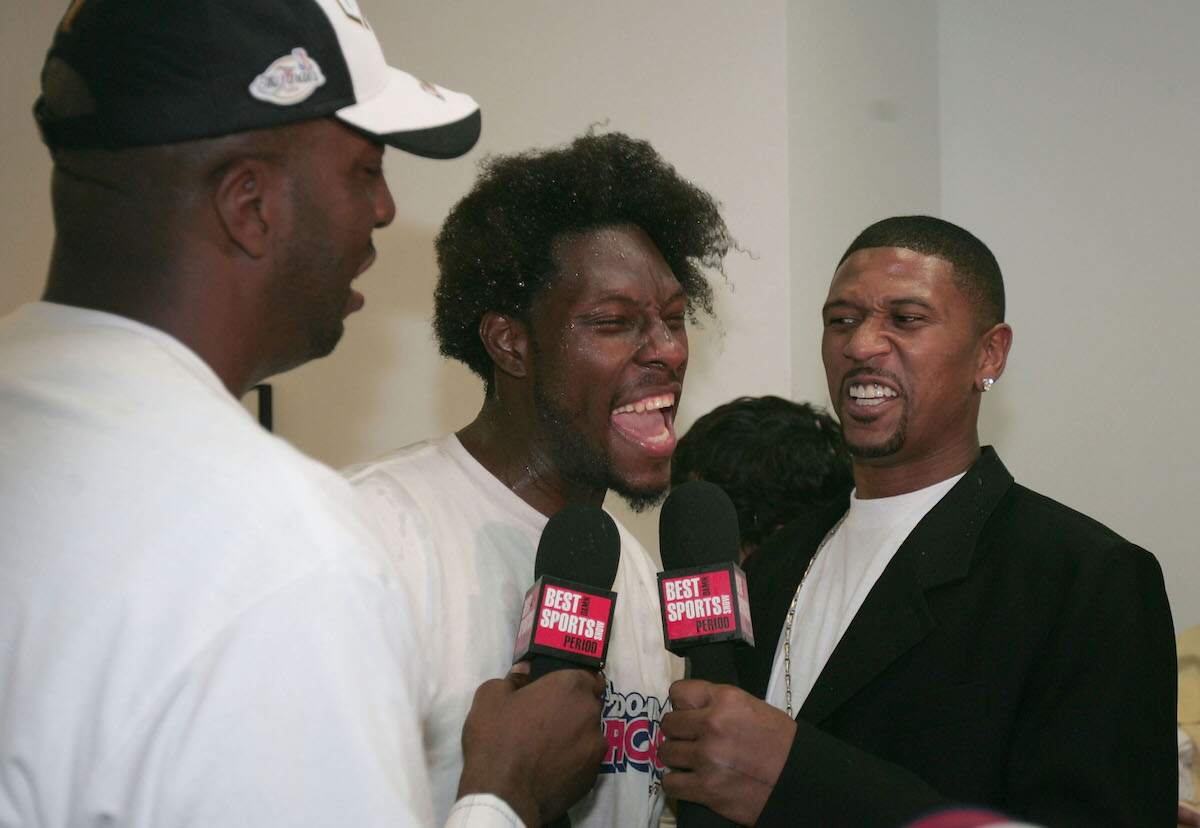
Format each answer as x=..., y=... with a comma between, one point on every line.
x=626, y=244
x=619, y=265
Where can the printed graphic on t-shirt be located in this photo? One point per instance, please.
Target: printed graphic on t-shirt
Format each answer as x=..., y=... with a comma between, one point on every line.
x=633, y=728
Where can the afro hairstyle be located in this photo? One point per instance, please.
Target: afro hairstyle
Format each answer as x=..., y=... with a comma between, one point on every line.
x=496, y=249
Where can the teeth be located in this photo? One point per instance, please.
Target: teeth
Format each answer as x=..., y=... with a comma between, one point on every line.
x=648, y=404
x=660, y=438
x=873, y=391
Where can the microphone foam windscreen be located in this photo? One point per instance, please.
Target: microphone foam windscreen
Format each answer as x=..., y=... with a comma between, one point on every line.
x=580, y=543
x=698, y=526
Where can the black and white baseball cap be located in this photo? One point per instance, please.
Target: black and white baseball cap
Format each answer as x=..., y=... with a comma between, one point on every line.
x=127, y=73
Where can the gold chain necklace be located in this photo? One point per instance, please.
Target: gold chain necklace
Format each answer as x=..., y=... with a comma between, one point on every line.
x=791, y=617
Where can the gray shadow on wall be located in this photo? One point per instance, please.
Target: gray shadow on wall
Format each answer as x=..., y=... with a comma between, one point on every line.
x=997, y=419
x=386, y=385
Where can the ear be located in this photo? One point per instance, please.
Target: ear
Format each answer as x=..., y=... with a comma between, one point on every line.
x=249, y=200
x=506, y=339
x=994, y=345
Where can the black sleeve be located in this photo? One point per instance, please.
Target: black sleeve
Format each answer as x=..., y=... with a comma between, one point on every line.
x=830, y=783
x=1095, y=741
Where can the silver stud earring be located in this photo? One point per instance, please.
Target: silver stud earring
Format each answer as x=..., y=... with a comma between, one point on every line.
x=988, y=382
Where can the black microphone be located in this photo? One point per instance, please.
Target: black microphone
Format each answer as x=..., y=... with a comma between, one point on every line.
x=702, y=593
x=568, y=612
x=567, y=615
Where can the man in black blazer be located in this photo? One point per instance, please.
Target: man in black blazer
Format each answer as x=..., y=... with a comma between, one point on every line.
x=990, y=646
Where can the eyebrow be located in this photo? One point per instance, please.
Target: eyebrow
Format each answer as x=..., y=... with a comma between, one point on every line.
x=892, y=303
x=621, y=298
x=911, y=300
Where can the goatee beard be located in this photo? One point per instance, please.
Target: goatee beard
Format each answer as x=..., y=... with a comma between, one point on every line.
x=892, y=445
x=578, y=461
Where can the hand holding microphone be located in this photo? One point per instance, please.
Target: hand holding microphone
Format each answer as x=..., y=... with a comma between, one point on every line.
x=702, y=590
x=535, y=741
x=725, y=747
x=538, y=737
x=536, y=745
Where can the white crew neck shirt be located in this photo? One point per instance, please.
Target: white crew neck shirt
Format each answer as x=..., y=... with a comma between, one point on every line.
x=467, y=545
x=197, y=625
x=843, y=574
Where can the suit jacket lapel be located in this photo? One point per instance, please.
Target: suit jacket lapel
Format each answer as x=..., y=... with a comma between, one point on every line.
x=895, y=615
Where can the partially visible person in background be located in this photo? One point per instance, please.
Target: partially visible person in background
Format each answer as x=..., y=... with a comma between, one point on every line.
x=776, y=460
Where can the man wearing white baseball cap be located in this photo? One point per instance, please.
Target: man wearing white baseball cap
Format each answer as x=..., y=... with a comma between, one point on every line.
x=197, y=625
x=146, y=72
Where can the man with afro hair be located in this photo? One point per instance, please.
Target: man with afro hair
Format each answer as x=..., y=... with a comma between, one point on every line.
x=566, y=279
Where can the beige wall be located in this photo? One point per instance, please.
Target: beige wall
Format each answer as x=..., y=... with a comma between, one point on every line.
x=1070, y=136
x=863, y=117
x=26, y=231
x=1063, y=133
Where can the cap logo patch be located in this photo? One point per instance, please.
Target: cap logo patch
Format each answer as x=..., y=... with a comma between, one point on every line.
x=289, y=80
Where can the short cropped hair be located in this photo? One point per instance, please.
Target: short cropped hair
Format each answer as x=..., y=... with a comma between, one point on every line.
x=976, y=270
x=496, y=249
x=776, y=460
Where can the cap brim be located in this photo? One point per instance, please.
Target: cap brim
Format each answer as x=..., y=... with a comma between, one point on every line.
x=417, y=117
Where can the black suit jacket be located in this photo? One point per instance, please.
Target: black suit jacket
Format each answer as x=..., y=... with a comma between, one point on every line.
x=1014, y=654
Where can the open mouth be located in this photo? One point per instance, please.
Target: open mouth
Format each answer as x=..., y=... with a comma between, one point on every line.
x=368, y=261
x=355, y=300
x=871, y=394
x=648, y=423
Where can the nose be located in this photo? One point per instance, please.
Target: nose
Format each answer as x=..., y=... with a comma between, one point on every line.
x=385, y=205
x=867, y=340
x=664, y=346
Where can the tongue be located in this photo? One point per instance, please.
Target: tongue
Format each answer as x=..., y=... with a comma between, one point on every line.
x=644, y=426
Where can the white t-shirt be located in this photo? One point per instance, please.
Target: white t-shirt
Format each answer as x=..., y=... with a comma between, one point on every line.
x=468, y=544
x=196, y=625
x=844, y=572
